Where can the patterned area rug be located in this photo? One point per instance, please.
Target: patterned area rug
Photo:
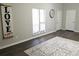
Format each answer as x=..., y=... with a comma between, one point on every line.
x=56, y=46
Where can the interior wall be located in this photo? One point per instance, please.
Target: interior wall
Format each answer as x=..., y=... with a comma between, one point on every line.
x=0, y=27
x=71, y=6
x=22, y=20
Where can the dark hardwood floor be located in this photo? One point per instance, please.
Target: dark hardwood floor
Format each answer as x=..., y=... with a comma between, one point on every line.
x=18, y=50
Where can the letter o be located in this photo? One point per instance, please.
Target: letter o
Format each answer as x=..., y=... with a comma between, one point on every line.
x=7, y=16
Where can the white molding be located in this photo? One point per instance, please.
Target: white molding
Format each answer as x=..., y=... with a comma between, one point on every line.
x=5, y=46
x=73, y=30
x=76, y=31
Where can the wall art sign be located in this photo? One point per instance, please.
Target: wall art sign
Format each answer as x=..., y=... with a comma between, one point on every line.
x=7, y=24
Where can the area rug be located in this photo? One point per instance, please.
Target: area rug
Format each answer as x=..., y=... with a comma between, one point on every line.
x=56, y=46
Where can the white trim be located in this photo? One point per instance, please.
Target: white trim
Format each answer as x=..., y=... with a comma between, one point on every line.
x=5, y=46
x=76, y=31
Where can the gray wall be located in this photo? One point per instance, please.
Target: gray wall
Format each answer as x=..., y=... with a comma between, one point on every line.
x=0, y=27
x=22, y=21
x=70, y=6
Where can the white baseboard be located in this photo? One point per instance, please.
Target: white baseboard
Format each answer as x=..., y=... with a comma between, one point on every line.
x=76, y=31
x=1, y=47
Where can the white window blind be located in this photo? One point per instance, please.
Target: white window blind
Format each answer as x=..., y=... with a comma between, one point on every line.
x=42, y=20
x=38, y=18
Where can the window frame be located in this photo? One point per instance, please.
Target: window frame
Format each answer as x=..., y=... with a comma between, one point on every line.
x=39, y=21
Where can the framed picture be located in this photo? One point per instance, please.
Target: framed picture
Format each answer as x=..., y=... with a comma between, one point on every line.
x=7, y=24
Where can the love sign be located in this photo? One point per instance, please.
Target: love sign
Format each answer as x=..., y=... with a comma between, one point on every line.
x=7, y=24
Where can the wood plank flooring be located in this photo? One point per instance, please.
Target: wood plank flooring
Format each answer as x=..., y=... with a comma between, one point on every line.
x=18, y=50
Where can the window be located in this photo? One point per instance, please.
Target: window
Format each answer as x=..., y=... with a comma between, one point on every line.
x=38, y=18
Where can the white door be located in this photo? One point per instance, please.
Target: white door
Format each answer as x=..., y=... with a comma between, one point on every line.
x=70, y=19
